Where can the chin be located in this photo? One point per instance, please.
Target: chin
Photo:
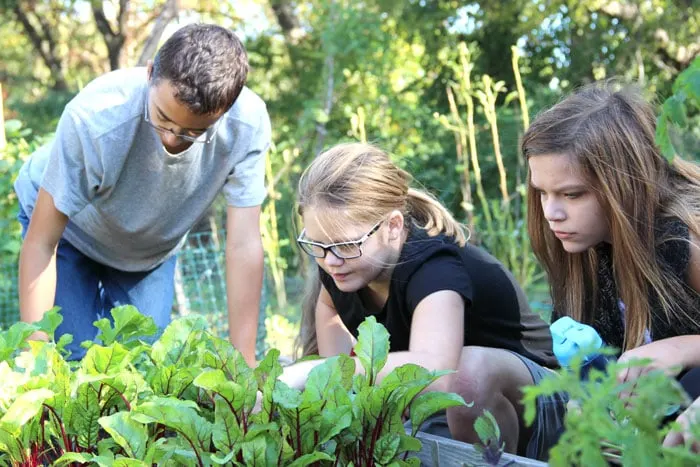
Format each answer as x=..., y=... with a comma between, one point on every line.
x=347, y=287
x=350, y=285
x=571, y=247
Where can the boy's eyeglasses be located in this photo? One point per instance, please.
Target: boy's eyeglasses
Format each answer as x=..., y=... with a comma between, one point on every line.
x=342, y=250
x=193, y=137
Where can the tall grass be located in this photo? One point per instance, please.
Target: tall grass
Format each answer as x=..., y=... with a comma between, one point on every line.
x=499, y=225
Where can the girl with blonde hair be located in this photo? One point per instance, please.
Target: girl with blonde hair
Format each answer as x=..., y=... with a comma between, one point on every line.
x=615, y=226
x=390, y=251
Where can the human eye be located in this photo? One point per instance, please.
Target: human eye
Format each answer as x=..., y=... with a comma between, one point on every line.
x=574, y=195
x=346, y=249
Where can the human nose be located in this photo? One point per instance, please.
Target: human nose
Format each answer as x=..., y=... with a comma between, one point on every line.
x=553, y=209
x=332, y=260
x=169, y=138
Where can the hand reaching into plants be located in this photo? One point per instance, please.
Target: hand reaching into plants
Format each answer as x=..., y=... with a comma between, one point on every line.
x=684, y=435
x=665, y=355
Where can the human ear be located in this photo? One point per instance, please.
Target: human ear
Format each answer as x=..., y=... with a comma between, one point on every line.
x=396, y=223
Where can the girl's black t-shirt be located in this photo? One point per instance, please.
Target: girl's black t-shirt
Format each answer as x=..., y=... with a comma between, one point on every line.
x=496, y=310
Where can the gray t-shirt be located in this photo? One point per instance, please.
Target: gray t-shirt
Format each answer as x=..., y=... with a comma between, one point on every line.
x=130, y=203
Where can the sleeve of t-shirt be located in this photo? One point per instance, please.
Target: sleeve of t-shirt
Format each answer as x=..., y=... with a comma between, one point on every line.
x=245, y=186
x=74, y=170
x=443, y=272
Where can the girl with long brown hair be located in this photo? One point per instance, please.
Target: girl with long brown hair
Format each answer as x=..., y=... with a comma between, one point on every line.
x=385, y=249
x=615, y=226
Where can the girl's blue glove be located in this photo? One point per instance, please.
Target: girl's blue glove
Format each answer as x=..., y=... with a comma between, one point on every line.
x=569, y=337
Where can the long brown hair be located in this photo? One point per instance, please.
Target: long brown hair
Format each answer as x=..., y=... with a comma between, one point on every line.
x=360, y=181
x=610, y=134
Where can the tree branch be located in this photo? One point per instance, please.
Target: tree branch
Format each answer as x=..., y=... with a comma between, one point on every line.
x=169, y=12
x=49, y=55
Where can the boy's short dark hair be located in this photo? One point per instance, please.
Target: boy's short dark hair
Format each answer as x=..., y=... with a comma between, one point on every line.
x=207, y=65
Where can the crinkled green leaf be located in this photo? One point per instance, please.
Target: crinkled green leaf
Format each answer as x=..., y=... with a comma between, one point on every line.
x=71, y=457
x=14, y=338
x=24, y=408
x=129, y=325
x=129, y=434
x=285, y=396
x=409, y=443
x=333, y=421
x=105, y=360
x=266, y=374
x=487, y=428
x=430, y=403
x=308, y=459
x=404, y=383
x=226, y=431
x=125, y=462
x=179, y=342
x=178, y=415
x=372, y=347
x=50, y=321
x=170, y=380
x=334, y=372
x=386, y=448
x=85, y=416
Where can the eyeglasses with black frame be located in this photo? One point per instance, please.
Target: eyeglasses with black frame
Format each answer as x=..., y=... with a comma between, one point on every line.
x=191, y=138
x=342, y=250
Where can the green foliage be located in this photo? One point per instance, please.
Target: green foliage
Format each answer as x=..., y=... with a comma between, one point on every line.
x=602, y=426
x=20, y=143
x=189, y=398
x=674, y=115
x=491, y=446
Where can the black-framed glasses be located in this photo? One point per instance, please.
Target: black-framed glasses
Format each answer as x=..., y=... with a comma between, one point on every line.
x=342, y=250
x=193, y=137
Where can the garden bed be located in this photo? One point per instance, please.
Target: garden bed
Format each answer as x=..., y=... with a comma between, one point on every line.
x=443, y=452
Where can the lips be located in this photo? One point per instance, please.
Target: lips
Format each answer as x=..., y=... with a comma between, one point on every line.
x=339, y=277
x=563, y=235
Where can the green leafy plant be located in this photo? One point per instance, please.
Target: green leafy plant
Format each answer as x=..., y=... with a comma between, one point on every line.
x=189, y=398
x=674, y=112
x=490, y=446
x=601, y=427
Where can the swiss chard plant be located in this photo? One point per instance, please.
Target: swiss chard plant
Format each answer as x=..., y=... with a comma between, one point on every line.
x=185, y=397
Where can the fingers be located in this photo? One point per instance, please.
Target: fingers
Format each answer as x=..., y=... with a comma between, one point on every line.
x=674, y=438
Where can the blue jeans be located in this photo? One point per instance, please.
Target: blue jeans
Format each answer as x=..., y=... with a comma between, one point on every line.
x=87, y=290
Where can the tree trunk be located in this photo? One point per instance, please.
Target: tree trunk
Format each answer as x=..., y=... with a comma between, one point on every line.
x=45, y=45
x=169, y=12
x=114, y=37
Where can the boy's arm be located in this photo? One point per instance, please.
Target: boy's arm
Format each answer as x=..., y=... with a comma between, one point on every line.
x=244, y=275
x=37, y=262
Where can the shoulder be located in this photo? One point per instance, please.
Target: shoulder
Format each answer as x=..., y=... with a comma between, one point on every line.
x=110, y=101
x=431, y=264
x=249, y=110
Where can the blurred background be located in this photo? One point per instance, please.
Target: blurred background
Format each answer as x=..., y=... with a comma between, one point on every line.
x=447, y=87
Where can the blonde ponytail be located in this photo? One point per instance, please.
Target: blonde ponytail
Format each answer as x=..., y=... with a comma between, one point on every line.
x=431, y=215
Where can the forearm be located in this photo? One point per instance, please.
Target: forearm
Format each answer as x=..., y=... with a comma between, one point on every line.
x=37, y=281
x=243, y=288
x=686, y=348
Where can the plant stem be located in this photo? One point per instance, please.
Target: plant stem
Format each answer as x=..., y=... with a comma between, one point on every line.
x=66, y=442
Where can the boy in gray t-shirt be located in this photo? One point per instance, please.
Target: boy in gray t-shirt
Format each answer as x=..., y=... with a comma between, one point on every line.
x=138, y=157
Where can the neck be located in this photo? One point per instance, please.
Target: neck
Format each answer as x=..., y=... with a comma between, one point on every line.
x=380, y=286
